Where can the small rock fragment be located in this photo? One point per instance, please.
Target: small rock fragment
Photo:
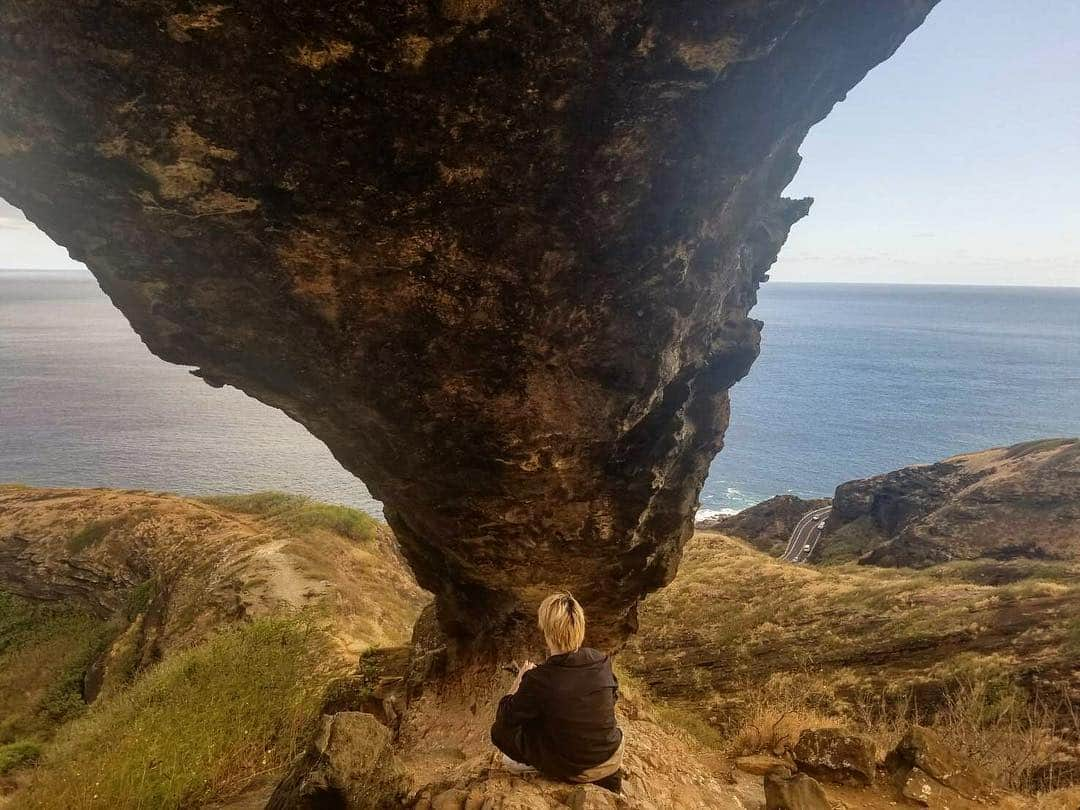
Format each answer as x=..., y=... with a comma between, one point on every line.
x=762, y=764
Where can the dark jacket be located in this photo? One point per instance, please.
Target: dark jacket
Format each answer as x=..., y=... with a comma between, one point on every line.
x=561, y=720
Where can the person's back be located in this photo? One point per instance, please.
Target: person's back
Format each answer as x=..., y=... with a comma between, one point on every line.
x=559, y=718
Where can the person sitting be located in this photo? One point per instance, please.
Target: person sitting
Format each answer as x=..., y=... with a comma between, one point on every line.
x=559, y=717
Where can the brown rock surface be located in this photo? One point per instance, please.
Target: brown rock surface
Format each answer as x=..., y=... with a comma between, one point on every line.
x=762, y=764
x=922, y=763
x=1020, y=501
x=836, y=755
x=349, y=766
x=798, y=792
x=499, y=257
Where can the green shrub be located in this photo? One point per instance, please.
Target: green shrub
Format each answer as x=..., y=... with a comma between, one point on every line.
x=17, y=621
x=12, y=755
x=1072, y=636
x=140, y=597
x=45, y=650
x=200, y=725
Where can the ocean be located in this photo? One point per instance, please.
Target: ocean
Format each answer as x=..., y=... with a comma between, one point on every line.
x=852, y=380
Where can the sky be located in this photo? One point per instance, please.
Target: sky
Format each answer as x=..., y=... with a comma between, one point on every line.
x=955, y=161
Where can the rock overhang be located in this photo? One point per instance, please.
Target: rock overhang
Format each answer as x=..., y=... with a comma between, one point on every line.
x=499, y=257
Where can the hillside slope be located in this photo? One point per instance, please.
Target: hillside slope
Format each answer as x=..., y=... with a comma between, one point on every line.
x=739, y=630
x=178, y=648
x=200, y=563
x=1008, y=502
x=735, y=615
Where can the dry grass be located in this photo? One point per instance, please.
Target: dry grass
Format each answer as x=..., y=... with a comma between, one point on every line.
x=1010, y=732
x=751, y=651
x=773, y=715
x=747, y=616
x=989, y=718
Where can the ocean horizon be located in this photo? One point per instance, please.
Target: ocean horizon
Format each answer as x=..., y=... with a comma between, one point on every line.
x=853, y=380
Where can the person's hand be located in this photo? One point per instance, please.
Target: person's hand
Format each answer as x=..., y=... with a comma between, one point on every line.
x=525, y=667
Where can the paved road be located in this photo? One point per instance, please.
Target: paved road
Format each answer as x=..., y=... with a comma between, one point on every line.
x=806, y=534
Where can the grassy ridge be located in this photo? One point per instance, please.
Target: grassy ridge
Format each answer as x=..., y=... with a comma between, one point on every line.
x=299, y=513
x=231, y=695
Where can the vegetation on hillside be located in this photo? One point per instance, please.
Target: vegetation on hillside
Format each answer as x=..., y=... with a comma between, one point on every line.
x=298, y=513
x=44, y=651
x=749, y=651
x=735, y=614
x=203, y=724
x=209, y=673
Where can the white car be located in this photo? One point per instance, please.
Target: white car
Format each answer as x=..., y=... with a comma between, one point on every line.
x=821, y=525
x=806, y=549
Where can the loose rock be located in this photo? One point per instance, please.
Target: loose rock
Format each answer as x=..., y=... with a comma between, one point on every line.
x=923, y=750
x=836, y=755
x=798, y=792
x=762, y=764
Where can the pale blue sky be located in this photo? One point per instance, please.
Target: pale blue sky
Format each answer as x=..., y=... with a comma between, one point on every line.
x=955, y=161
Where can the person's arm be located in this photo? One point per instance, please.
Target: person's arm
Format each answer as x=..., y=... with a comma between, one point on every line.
x=521, y=674
x=524, y=701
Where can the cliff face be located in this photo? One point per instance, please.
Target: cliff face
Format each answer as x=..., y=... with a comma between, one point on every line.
x=768, y=525
x=498, y=256
x=1019, y=501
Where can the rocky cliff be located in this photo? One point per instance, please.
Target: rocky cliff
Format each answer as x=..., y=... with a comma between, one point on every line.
x=499, y=256
x=768, y=525
x=1019, y=501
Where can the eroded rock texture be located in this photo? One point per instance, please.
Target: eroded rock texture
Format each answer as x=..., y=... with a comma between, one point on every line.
x=499, y=256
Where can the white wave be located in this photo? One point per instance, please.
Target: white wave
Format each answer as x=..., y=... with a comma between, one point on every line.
x=712, y=514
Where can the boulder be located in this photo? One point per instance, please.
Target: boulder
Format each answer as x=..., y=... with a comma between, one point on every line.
x=348, y=766
x=798, y=792
x=924, y=751
x=919, y=787
x=836, y=755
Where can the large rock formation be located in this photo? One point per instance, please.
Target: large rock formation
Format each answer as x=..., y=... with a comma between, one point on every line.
x=1019, y=501
x=498, y=256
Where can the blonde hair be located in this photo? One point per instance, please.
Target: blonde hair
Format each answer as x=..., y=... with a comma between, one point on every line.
x=562, y=622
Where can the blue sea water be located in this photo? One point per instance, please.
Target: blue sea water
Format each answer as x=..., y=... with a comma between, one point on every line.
x=853, y=380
